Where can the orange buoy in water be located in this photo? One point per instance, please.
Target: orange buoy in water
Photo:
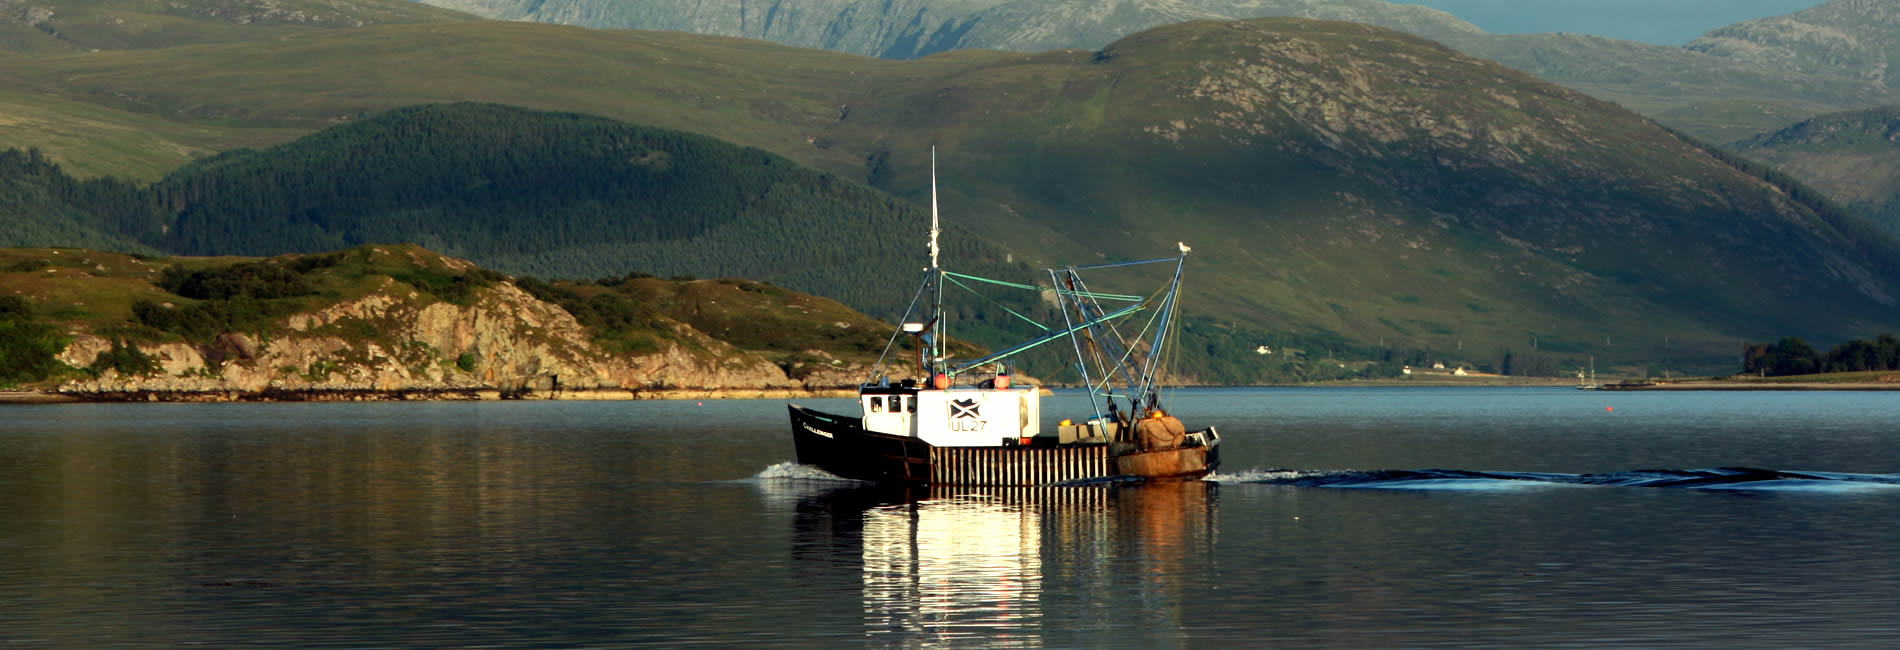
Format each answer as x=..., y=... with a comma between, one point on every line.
x=1609, y=408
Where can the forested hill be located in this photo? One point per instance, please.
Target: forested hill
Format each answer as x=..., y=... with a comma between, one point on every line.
x=43, y=206
x=554, y=195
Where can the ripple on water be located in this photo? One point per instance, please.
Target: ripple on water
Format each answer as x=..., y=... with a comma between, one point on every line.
x=1727, y=478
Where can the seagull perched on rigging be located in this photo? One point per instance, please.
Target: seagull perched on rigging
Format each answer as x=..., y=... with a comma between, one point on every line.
x=1184, y=247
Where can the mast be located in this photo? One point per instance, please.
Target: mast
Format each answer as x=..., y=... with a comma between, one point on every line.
x=934, y=229
x=936, y=275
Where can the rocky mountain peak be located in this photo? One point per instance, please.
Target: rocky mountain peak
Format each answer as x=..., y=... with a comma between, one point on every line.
x=913, y=28
x=1857, y=39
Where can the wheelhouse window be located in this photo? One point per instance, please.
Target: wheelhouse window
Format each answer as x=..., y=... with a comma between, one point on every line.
x=877, y=404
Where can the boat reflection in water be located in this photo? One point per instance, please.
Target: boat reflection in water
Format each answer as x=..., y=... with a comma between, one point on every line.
x=1081, y=565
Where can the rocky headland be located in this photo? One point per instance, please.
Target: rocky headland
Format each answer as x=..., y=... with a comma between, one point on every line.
x=398, y=342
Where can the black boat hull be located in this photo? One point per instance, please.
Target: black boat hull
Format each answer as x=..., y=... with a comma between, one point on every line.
x=840, y=445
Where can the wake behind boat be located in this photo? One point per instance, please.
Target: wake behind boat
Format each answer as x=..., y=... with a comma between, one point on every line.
x=968, y=424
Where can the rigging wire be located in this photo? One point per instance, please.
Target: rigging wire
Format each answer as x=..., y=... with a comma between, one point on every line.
x=879, y=368
x=952, y=277
x=1128, y=352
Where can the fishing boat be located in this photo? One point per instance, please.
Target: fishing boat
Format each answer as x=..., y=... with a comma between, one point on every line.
x=968, y=423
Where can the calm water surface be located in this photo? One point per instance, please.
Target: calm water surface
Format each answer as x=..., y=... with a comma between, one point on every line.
x=1360, y=517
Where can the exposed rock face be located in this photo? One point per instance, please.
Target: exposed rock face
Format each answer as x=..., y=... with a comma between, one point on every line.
x=908, y=27
x=913, y=28
x=506, y=342
x=20, y=12
x=1857, y=39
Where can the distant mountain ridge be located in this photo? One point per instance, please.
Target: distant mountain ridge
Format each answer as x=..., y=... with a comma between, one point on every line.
x=1736, y=82
x=903, y=29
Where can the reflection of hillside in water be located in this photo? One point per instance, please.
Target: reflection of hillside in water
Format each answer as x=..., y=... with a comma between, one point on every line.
x=1012, y=567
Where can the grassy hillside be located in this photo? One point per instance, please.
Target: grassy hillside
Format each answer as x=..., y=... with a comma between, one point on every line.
x=1339, y=182
x=1853, y=157
x=93, y=25
x=802, y=333
x=746, y=92
x=90, y=140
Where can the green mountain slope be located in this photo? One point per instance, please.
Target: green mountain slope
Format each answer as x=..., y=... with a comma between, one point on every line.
x=554, y=194
x=741, y=91
x=1339, y=182
x=1360, y=181
x=1852, y=157
x=89, y=140
x=91, y=25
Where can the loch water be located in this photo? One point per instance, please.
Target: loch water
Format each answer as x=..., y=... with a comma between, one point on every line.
x=1356, y=517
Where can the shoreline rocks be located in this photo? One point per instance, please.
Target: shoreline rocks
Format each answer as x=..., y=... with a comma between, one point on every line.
x=413, y=395
x=505, y=345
